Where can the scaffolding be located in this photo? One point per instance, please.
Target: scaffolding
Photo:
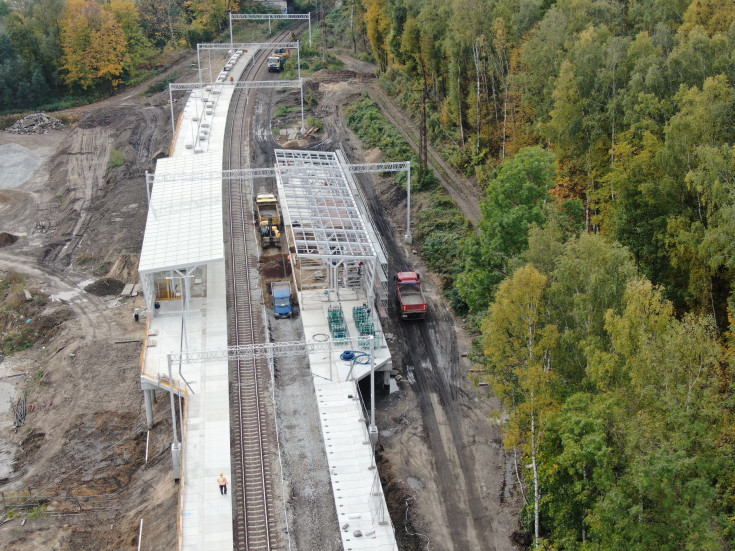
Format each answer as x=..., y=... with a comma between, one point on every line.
x=328, y=238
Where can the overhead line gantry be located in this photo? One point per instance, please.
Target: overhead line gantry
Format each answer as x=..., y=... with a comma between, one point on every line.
x=269, y=16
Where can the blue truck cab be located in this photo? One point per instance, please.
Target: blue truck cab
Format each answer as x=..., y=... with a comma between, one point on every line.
x=282, y=301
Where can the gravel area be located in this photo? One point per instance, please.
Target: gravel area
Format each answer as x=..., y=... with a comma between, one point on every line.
x=17, y=164
x=311, y=515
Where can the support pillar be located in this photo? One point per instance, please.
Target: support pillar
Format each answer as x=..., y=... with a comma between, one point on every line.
x=176, y=460
x=173, y=122
x=372, y=429
x=199, y=65
x=301, y=86
x=148, y=399
x=176, y=445
x=209, y=60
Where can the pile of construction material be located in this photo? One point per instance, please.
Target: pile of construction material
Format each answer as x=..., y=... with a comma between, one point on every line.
x=37, y=123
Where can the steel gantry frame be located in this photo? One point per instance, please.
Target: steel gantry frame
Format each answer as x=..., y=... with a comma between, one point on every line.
x=268, y=351
x=269, y=16
x=252, y=173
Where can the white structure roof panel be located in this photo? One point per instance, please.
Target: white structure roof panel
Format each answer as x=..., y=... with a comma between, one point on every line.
x=184, y=226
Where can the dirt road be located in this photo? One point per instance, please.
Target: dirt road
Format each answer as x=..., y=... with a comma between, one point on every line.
x=81, y=452
x=437, y=439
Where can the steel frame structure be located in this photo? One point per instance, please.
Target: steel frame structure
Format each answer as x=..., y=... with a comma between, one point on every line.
x=269, y=16
x=317, y=159
x=253, y=173
x=242, y=84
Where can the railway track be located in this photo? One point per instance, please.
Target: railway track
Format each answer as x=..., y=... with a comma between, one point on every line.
x=258, y=521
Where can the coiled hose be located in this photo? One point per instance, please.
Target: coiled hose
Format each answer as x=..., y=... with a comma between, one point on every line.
x=359, y=357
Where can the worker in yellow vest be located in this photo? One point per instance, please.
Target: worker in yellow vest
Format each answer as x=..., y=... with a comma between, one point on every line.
x=222, y=481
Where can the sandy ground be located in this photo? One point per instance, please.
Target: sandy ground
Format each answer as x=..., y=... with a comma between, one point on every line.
x=81, y=452
x=77, y=466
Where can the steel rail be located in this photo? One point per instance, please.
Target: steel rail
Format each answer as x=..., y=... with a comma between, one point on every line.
x=253, y=516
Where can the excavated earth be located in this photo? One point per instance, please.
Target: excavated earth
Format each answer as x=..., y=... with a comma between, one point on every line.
x=81, y=470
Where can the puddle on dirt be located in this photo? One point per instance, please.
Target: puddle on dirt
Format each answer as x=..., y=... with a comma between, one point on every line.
x=66, y=296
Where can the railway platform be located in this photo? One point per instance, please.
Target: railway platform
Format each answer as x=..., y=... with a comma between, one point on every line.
x=183, y=276
x=358, y=495
x=205, y=516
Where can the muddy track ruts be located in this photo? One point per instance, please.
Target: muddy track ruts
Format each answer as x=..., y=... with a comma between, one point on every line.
x=434, y=364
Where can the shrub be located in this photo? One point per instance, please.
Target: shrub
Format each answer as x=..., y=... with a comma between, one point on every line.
x=313, y=121
x=117, y=158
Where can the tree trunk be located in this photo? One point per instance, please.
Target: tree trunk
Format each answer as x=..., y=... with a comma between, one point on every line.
x=459, y=108
x=352, y=27
x=536, y=492
x=476, y=53
x=518, y=476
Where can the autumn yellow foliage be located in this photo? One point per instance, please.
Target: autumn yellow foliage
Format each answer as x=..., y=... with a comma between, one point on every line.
x=94, y=46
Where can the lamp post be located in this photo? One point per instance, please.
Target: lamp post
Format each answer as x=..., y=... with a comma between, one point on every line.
x=409, y=238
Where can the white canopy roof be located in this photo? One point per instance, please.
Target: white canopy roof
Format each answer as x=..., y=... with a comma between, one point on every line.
x=184, y=226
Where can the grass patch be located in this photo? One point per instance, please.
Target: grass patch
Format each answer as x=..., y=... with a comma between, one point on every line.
x=283, y=110
x=23, y=322
x=313, y=121
x=102, y=269
x=365, y=119
x=162, y=84
x=312, y=58
x=117, y=158
x=440, y=224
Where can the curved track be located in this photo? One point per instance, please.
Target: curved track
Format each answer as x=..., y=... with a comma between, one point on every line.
x=256, y=516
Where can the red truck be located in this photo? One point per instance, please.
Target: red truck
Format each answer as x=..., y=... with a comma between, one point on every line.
x=411, y=301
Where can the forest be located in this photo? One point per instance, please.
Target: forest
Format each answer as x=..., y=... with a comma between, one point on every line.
x=60, y=53
x=600, y=279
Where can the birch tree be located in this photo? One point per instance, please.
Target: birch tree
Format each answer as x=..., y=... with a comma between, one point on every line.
x=518, y=343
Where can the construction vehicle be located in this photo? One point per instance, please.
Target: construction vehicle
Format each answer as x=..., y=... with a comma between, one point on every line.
x=270, y=235
x=411, y=301
x=282, y=301
x=285, y=53
x=269, y=220
x=275, y=63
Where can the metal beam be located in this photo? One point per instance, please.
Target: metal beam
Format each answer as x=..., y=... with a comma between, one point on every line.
x=264, y=350
x=272, y=172
x=269, y=16
x=379, y=167
x=264, y=16
x=246, y=45
x=246, y=84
